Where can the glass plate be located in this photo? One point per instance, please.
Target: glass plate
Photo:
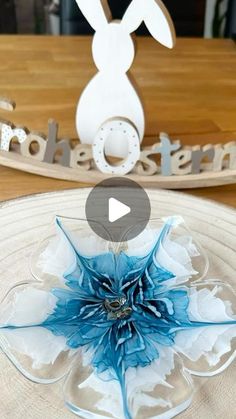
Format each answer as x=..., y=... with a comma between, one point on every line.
x=162, y=389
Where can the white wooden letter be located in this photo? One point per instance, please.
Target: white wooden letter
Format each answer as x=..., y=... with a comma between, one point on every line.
x=106, y=132
x=8, y=133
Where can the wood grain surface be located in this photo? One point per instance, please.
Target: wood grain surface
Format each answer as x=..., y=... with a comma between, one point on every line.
x=214, y=227
x=189, y=92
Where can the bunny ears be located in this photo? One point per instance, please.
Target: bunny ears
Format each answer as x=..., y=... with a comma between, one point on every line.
x=155, y=16
x=152, y=12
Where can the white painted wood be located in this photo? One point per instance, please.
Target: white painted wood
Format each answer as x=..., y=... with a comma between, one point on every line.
x=109, y=130
x=156, y=18
x=111, y=94
x=8, y=133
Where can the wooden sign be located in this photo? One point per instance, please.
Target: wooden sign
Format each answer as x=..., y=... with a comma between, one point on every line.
x=166, y=164
x=110, y=119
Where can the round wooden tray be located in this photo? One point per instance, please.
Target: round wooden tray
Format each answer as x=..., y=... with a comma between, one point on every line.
x=22, y=223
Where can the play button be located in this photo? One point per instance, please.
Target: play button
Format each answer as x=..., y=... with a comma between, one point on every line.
x=118, y=209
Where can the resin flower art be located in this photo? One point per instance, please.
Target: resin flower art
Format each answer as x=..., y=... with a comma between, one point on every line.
x=126, y=327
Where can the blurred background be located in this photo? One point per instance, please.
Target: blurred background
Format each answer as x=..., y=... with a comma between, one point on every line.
x=193, y=18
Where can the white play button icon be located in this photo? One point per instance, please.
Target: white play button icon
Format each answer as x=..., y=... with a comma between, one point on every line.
x=117, y=210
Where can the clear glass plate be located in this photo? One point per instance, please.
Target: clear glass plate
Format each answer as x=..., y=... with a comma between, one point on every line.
x=201, y=312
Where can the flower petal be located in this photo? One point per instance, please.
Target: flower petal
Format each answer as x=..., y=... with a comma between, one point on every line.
x=34, y=350
x=161, y=389
x=179, y=253
x=37, y=353
x=209, y=349
x=53, y=256
x=26, y=305
x=58, y=253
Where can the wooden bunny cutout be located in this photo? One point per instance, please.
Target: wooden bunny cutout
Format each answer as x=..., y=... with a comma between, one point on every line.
x=111, y=94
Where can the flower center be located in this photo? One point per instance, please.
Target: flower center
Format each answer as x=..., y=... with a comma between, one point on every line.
x=117, y=308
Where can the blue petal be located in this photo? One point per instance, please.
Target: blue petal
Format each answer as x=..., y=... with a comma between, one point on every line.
x=174, y=305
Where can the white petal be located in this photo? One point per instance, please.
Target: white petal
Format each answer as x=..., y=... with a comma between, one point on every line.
x=143, y=243
x=26, y=306
x=204, y=305
x=91, y=245
x=37, y=343
x=151, y=391
x=209, y=349
x=175, y=258
x=37, y=353
x=57, y=257
x=34, y=350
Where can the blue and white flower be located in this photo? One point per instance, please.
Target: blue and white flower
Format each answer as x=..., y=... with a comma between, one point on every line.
x=127, y=328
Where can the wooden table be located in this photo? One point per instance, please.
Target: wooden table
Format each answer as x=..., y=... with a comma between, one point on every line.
x=189, y=92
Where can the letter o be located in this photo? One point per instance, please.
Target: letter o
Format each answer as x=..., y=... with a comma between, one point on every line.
x=33, y=137
x=130, y=133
